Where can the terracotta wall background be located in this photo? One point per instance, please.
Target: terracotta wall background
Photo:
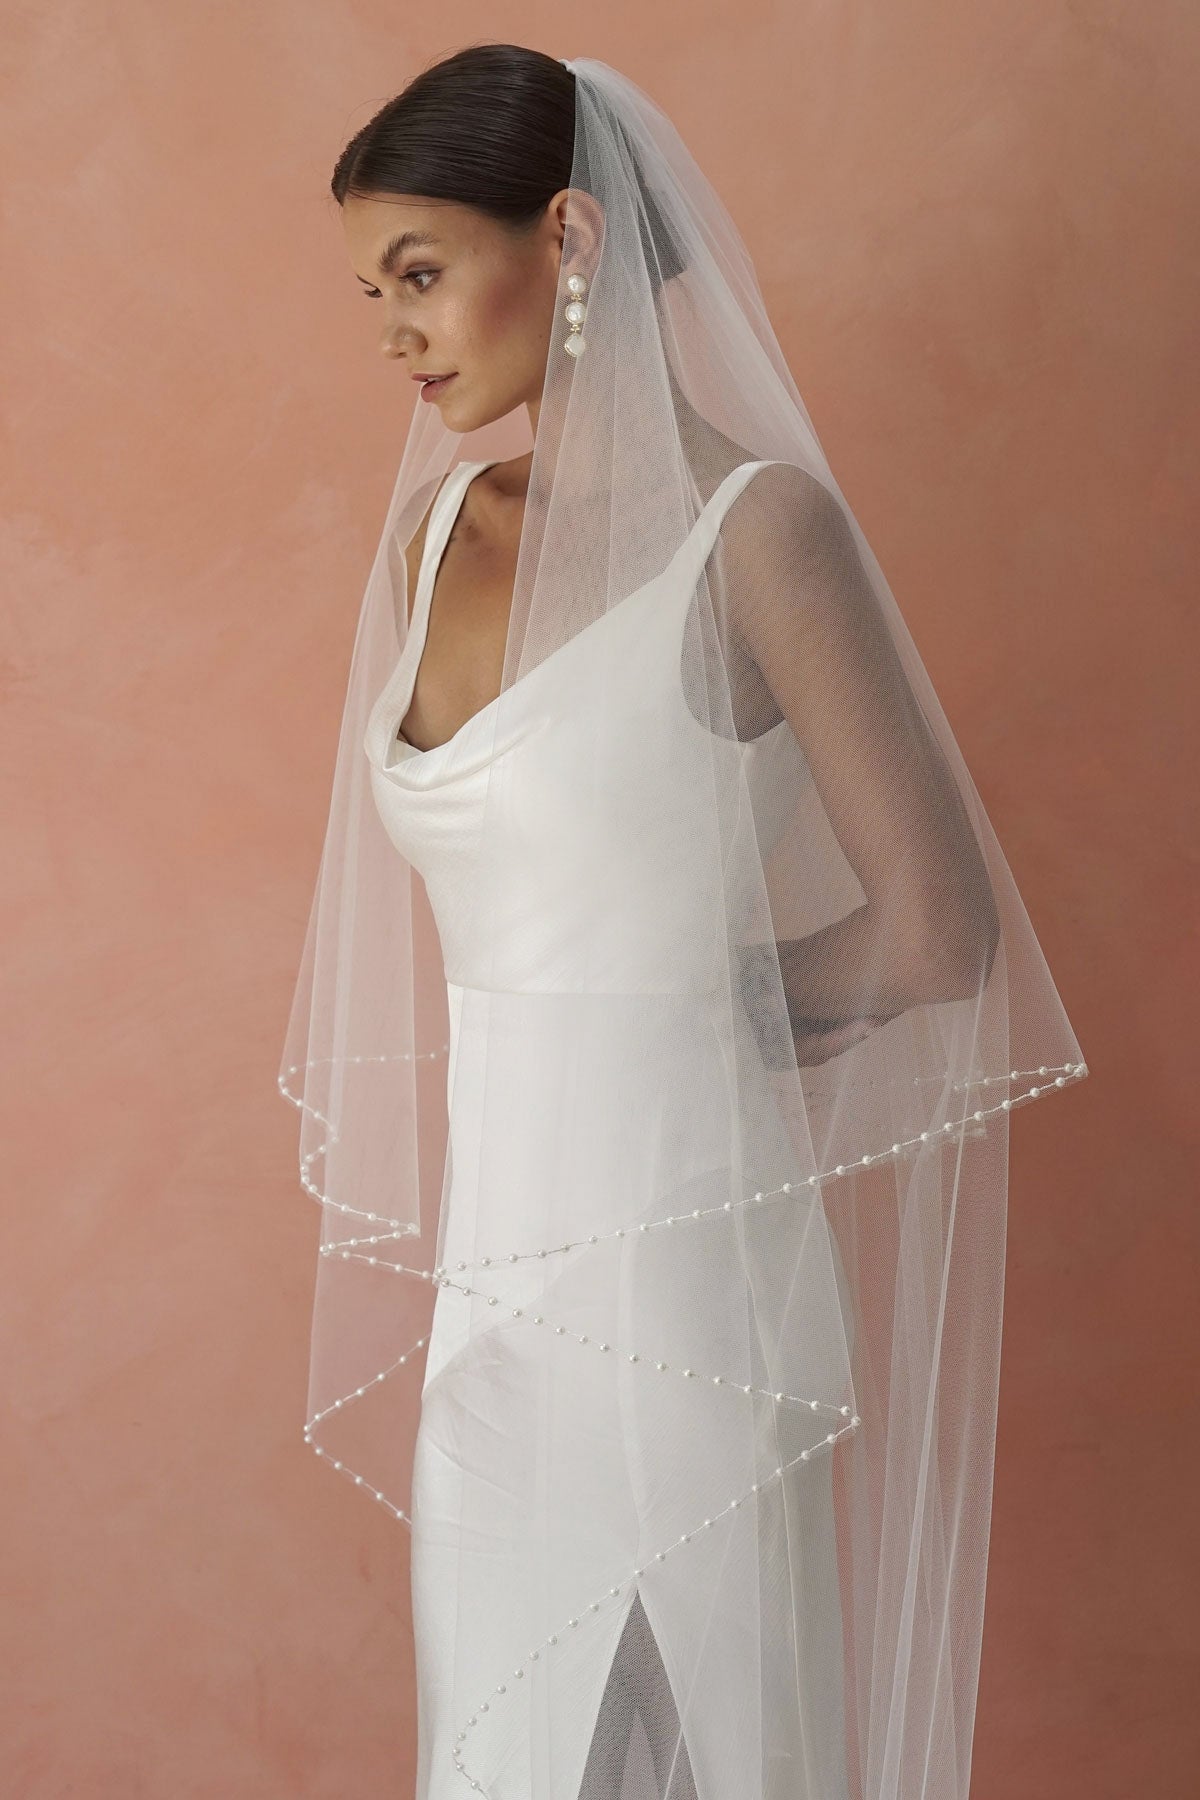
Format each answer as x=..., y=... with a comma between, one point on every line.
x=975, y=226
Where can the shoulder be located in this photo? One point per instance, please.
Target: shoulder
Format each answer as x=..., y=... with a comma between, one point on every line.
x=787, y=534
x=790, y=562
x=784, y=508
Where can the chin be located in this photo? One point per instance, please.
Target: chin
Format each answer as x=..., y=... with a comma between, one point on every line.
x=484, y=413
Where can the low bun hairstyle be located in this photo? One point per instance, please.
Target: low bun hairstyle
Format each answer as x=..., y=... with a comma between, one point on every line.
x=491, y=127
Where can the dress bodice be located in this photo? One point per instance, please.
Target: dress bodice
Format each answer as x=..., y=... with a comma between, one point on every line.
x=548, y=868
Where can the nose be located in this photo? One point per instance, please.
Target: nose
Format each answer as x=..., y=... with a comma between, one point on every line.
x=398, y=341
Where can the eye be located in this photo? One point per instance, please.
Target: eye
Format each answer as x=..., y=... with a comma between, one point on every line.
x=412, y=275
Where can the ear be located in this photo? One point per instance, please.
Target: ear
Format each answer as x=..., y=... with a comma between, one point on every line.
x=580, y=239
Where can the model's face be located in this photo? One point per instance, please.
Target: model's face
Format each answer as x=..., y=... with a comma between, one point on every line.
x=473, y=299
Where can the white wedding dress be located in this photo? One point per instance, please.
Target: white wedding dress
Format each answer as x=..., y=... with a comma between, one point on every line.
x=588, y=1567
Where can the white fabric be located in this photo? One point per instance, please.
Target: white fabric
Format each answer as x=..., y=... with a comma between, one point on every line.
x=570, y=911
x=655, y=1071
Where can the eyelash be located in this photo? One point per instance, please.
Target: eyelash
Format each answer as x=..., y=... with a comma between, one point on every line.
x=374, y=293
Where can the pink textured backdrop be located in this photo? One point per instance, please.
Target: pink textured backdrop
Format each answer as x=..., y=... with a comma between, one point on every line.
x=975, y=227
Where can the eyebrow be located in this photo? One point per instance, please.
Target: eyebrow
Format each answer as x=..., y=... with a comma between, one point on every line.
x=407, y=240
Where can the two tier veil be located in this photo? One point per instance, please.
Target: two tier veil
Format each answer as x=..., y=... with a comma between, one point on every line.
x=877, y=1004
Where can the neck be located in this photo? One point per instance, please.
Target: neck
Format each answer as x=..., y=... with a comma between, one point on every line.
x=705, y=447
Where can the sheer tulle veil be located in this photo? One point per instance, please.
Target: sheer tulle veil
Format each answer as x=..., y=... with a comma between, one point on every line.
x=808, y=1263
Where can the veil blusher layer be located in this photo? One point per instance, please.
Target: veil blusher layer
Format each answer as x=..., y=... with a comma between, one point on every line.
x=785, y=1278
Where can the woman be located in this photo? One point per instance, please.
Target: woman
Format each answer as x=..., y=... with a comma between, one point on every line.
x=664, y=998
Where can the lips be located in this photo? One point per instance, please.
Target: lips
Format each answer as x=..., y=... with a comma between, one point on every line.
x=432, y=388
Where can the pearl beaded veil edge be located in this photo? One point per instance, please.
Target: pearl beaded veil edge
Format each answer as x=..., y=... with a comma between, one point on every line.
x=876, y=1005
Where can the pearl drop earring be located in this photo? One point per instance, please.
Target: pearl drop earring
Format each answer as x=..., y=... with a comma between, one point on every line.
x=575, y=313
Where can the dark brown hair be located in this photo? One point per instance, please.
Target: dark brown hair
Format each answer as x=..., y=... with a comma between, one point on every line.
x=492, y=127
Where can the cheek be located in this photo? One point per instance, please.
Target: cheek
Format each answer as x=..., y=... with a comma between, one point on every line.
x=508, y=314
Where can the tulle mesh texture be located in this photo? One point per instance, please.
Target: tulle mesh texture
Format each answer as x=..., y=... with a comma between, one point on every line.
x=654, y=1041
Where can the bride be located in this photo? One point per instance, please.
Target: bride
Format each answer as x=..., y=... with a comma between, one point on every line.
x=664, y=999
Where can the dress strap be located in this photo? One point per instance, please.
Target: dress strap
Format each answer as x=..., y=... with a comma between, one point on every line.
x=690, y=558
x=696, y=547
x=694, y=552
x=444, y=511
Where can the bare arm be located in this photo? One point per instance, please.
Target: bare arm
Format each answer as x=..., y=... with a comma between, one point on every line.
x=803, y=606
